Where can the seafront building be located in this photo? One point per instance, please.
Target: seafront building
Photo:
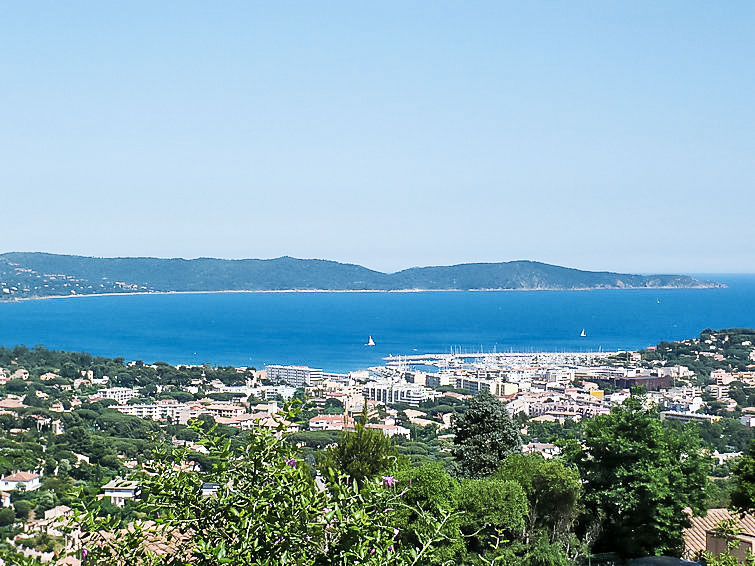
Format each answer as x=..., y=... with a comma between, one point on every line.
x=390, y=392
x=296, y=376
x=496, y=386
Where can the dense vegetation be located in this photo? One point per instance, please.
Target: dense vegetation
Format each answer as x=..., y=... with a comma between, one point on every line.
x=724, y=349
x=631, y=475
x=620, y=486
x=70, y=365
x=39, y=274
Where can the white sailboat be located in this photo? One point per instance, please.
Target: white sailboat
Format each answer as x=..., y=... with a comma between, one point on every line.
x=370, y=342
x=583, y=333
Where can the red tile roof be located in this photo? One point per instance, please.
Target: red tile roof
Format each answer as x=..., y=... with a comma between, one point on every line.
x=695, y=535
x=20, y=477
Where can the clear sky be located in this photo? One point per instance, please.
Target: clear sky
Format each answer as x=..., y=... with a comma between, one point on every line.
x=598, y=135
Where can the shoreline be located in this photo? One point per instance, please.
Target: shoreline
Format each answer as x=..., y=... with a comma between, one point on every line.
x=303, y=291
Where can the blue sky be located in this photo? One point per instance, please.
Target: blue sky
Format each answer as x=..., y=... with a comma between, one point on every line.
x=599, y=135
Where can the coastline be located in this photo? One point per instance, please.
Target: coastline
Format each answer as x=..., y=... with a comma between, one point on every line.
x=303, y=291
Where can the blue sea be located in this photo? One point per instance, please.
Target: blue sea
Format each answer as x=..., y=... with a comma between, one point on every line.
x=329, y=330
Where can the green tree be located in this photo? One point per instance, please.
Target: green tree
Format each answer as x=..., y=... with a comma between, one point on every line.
x=22, y=508
x=333, y=407
x=639, y=477
x=542, y=552
x=7, y=517
x=16, y=386
x=492, y=513
x=484, y=435
x=361, y=454
x=743, y=494
x=553, y=491
x=430, y=488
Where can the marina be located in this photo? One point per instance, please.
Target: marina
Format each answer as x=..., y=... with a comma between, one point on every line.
x=496, y=359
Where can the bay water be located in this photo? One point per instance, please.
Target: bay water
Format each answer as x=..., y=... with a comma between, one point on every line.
x=330, y=330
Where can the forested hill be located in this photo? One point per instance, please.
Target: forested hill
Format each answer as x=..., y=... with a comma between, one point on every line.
x=27, y=275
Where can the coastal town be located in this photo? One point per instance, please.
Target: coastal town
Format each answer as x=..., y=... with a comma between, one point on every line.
x=412, y=400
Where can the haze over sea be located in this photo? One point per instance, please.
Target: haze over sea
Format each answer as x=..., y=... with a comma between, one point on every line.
x=329, y=330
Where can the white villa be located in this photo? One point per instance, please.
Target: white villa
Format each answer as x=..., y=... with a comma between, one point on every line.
x=27, y=481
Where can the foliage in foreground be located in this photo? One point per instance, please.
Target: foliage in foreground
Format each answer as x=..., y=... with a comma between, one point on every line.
x=639, y=477
x=361, y=454
x=622, y=490
x=267, y=510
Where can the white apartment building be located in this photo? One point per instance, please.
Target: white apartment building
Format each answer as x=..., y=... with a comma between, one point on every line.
x=585, y=409
x=440, y=379
x=719, y=391
x=721, y=377
x=272, y=392
x=154, y=411
x=181, y=413
x=561, y=376
x=388, y=392
x=475, y=385
x=296, y=376
x=119, y=394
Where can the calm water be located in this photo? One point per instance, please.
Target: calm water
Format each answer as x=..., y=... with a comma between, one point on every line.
x=328, y=330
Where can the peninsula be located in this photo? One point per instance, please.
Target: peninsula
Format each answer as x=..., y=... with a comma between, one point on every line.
x=38, y=275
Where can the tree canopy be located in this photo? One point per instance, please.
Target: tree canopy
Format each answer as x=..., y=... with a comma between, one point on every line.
x=360, y=454
x=639, y=477
x=743, y=494
x=484, y=436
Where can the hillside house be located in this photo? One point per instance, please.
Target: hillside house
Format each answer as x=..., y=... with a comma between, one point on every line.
x=119, y=490
x=26, y=481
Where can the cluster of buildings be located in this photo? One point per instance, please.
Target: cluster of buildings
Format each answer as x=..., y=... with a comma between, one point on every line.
x=550, y=391
x=231, y=413
x=543, y=387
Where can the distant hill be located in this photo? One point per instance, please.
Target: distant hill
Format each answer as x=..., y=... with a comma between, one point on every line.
x=31, y=275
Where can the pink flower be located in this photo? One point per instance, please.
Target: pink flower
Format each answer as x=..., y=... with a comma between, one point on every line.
x=291, y=462
x=388, y=481
x=372, y=551
x=390, y=548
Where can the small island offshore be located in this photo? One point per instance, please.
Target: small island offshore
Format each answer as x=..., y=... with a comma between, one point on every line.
x=39, y=275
